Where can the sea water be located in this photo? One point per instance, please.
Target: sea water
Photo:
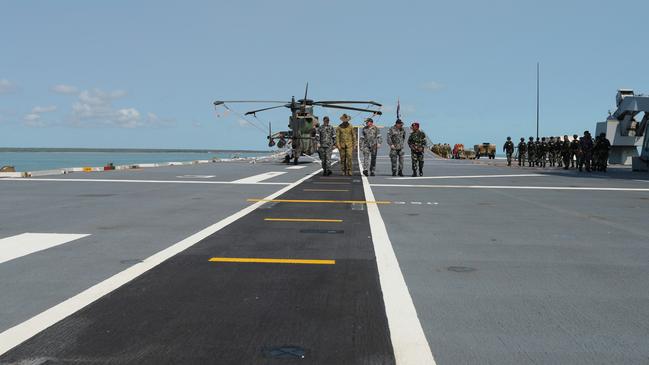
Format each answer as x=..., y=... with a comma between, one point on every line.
x=35, y=161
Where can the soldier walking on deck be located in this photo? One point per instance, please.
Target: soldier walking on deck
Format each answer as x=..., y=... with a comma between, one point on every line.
x=531, y=155
x=417, y=144
x=326, y=138
x=396, y=139
x=346, y=143
x=508, y=148
x=522, y=152
x=586, y=148
x=574, y=151
x=602, y=150
x=370, y=141
x=566, y=152
x=558, y=146
x=542, y=152
x=551, y=152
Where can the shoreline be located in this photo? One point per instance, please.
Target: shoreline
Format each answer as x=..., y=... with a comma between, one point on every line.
x=125, y=150
x=69, y=170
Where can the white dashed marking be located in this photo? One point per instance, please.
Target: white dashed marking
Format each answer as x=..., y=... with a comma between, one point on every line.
x=260, y=177
x=196, y=176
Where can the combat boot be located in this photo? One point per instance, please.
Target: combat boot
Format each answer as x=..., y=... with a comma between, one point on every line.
x=414, y=174
x=365, y=172
x=421, y=168
x=371, y=173
x=394, y=173
x=400, y=173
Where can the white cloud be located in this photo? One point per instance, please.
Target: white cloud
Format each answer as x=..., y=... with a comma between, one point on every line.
x=34, y=120
x=35, y=117
x=95, y=107
x=44, y=109
x=31, y=117
x=7, y=87
x=432, y=86
x=243, y=123
x=64, y=89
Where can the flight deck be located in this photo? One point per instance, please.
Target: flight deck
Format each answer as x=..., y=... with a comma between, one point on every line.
x=272, y=263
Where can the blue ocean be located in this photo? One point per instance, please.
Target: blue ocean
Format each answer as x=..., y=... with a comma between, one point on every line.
x=35, y=161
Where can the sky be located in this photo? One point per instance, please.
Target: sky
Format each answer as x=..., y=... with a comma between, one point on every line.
x=144, y=74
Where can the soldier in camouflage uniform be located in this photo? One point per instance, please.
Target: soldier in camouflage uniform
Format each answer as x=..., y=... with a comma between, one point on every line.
x=508, y=148
x=551, y=152
x=537, y=152
x=602, y=151
x=417, y=144
x=346, y=144
x=586, y=148
x=522, y=152
x=566, y=152
x=396, y=139
x=370, y=141
x=558, y=152
x=575, y=151
x=326, y=139
x=542, y=152
x=531, y=152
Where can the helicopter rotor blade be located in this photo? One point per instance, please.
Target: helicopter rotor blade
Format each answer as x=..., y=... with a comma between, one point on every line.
x=346, y=102
x=269, y=108
x=377, y=112
x=221, y=102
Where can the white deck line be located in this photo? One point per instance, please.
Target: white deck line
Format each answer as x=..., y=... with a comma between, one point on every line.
x=465, y=176
x=237, y=182
x=408, y=339
x=20, y=333
x=583, y=188
x=295, y=167
x=258, y=178
x=27, y=243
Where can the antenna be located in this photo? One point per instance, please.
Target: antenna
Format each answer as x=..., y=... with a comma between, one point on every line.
x=537, y=98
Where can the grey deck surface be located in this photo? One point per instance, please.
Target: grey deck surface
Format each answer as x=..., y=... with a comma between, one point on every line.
x=497, y=276
x=502, y=276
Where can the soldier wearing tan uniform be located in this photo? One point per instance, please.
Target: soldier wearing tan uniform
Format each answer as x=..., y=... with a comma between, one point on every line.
x=346, y=143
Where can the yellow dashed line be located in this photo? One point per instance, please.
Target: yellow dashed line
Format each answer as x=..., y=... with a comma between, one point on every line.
x=331, y=183
x=331, y=190
x=320, y=201
x=272, y=261
x=303, y=220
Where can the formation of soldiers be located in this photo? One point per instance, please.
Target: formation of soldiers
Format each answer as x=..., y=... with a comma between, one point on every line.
x=442, y=149
x=578, y=152
x=342, y=137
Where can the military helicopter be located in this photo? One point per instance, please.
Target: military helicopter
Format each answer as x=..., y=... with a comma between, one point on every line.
x=302, y=121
